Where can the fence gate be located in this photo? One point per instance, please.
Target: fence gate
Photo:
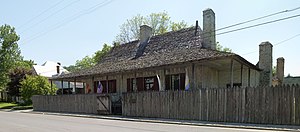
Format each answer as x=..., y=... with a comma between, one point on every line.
x=104, y=104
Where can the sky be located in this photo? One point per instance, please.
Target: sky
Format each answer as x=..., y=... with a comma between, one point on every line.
x=68, y=30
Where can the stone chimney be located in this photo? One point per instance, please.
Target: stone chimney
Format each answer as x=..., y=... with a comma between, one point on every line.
x=280, y=70
x=209, y=34
x=145, y=34
x=265, y=63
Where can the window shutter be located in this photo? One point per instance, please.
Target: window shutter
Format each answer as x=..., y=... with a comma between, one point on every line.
x=182, y=81
x=129, y=83
x=155, y=85
x=140, y=84
x=167, y=82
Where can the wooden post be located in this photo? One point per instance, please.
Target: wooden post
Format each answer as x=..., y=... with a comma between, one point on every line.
x=69, y=84
x=93, y=85
x=242, y=74
x=136, y=88
x=83, y=86
x=51, y=85
x=249, y=76
x=62, y=86
x=107, y=84
x=193, y=77
x=231, y=73
x=74, y=89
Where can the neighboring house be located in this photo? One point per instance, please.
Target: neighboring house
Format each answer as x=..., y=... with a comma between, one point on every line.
x=178, y=60
x=51, y=69
x=292, y=80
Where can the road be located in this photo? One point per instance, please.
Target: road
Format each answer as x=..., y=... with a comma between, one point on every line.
x=27, y=122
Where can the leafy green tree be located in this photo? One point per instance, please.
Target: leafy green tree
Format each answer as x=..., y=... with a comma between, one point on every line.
x=179, y=25
x=35, y=85
x=28, y=64
x=89, y=61
x=160, y=23
x=101, y=53
x=17, y=75
x=221, y=48
x=84, y=63
x=10, y=53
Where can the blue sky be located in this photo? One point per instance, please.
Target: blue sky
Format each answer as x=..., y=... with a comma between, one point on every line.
x=73, y=29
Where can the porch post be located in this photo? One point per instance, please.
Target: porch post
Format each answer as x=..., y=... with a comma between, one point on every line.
x=107, y=84
x=193, y=76
x=231, y=73
x=242, y=74
x=135, y=87
x=69, y=85
x=249, y=76
x=120, y=87
x=92, y=86
x=74, y=89
x=62, y=86
x=51, y=84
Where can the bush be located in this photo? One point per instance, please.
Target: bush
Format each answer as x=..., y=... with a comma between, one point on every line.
x=35, y=85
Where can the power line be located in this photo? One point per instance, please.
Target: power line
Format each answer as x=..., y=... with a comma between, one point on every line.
x=287, y=39
x=74, y=17
x=266, y=16
x=49, y=16
x=281, y=42
x=260, y=24
x=35, y=17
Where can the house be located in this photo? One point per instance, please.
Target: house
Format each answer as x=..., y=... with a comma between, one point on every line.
x=177, y=60
x=51, y=69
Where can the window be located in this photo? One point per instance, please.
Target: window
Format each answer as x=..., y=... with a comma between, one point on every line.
x=142, y=84
x=149, y=83
x=175, y=81
x=108, y=86
x=112, y=86
x=131, y=84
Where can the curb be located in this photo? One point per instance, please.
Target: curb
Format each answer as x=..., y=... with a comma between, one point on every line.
x=177, y=122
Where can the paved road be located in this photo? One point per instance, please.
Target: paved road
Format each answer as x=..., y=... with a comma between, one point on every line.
x=26, y=122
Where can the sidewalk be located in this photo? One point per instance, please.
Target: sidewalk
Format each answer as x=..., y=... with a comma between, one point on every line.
x=172, y=121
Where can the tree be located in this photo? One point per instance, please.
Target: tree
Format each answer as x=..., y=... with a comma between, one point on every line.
x=177, y=26
x=101, y=53
x=84, y=63
x=35, y=85
x=89, y=61
x=221, y=48
x=10, y=53
x=160, y=23
x=17, y=74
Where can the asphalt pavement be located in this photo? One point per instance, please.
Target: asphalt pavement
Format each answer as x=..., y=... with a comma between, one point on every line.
x=27, y=122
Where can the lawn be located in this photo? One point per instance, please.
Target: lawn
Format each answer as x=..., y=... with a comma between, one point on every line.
x=4, y=105
x=13, y=106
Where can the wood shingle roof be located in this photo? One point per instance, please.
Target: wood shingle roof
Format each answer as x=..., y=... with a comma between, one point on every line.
x=170, y=48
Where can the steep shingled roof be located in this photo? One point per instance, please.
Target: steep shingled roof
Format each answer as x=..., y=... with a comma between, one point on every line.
x=166, y=49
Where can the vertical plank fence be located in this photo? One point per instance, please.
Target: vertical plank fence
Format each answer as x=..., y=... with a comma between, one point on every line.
x=263, y=105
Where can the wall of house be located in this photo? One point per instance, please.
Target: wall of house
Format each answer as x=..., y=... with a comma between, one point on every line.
x=224, y=77
x=205, y=77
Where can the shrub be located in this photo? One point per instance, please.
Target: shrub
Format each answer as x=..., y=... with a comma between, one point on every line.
x=35, y=85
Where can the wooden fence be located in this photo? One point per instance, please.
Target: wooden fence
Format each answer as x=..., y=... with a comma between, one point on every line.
x=264, y=105
x=75, y=103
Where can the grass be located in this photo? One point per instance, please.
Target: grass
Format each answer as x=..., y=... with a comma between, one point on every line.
x=4, y=105
x=14, y=106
